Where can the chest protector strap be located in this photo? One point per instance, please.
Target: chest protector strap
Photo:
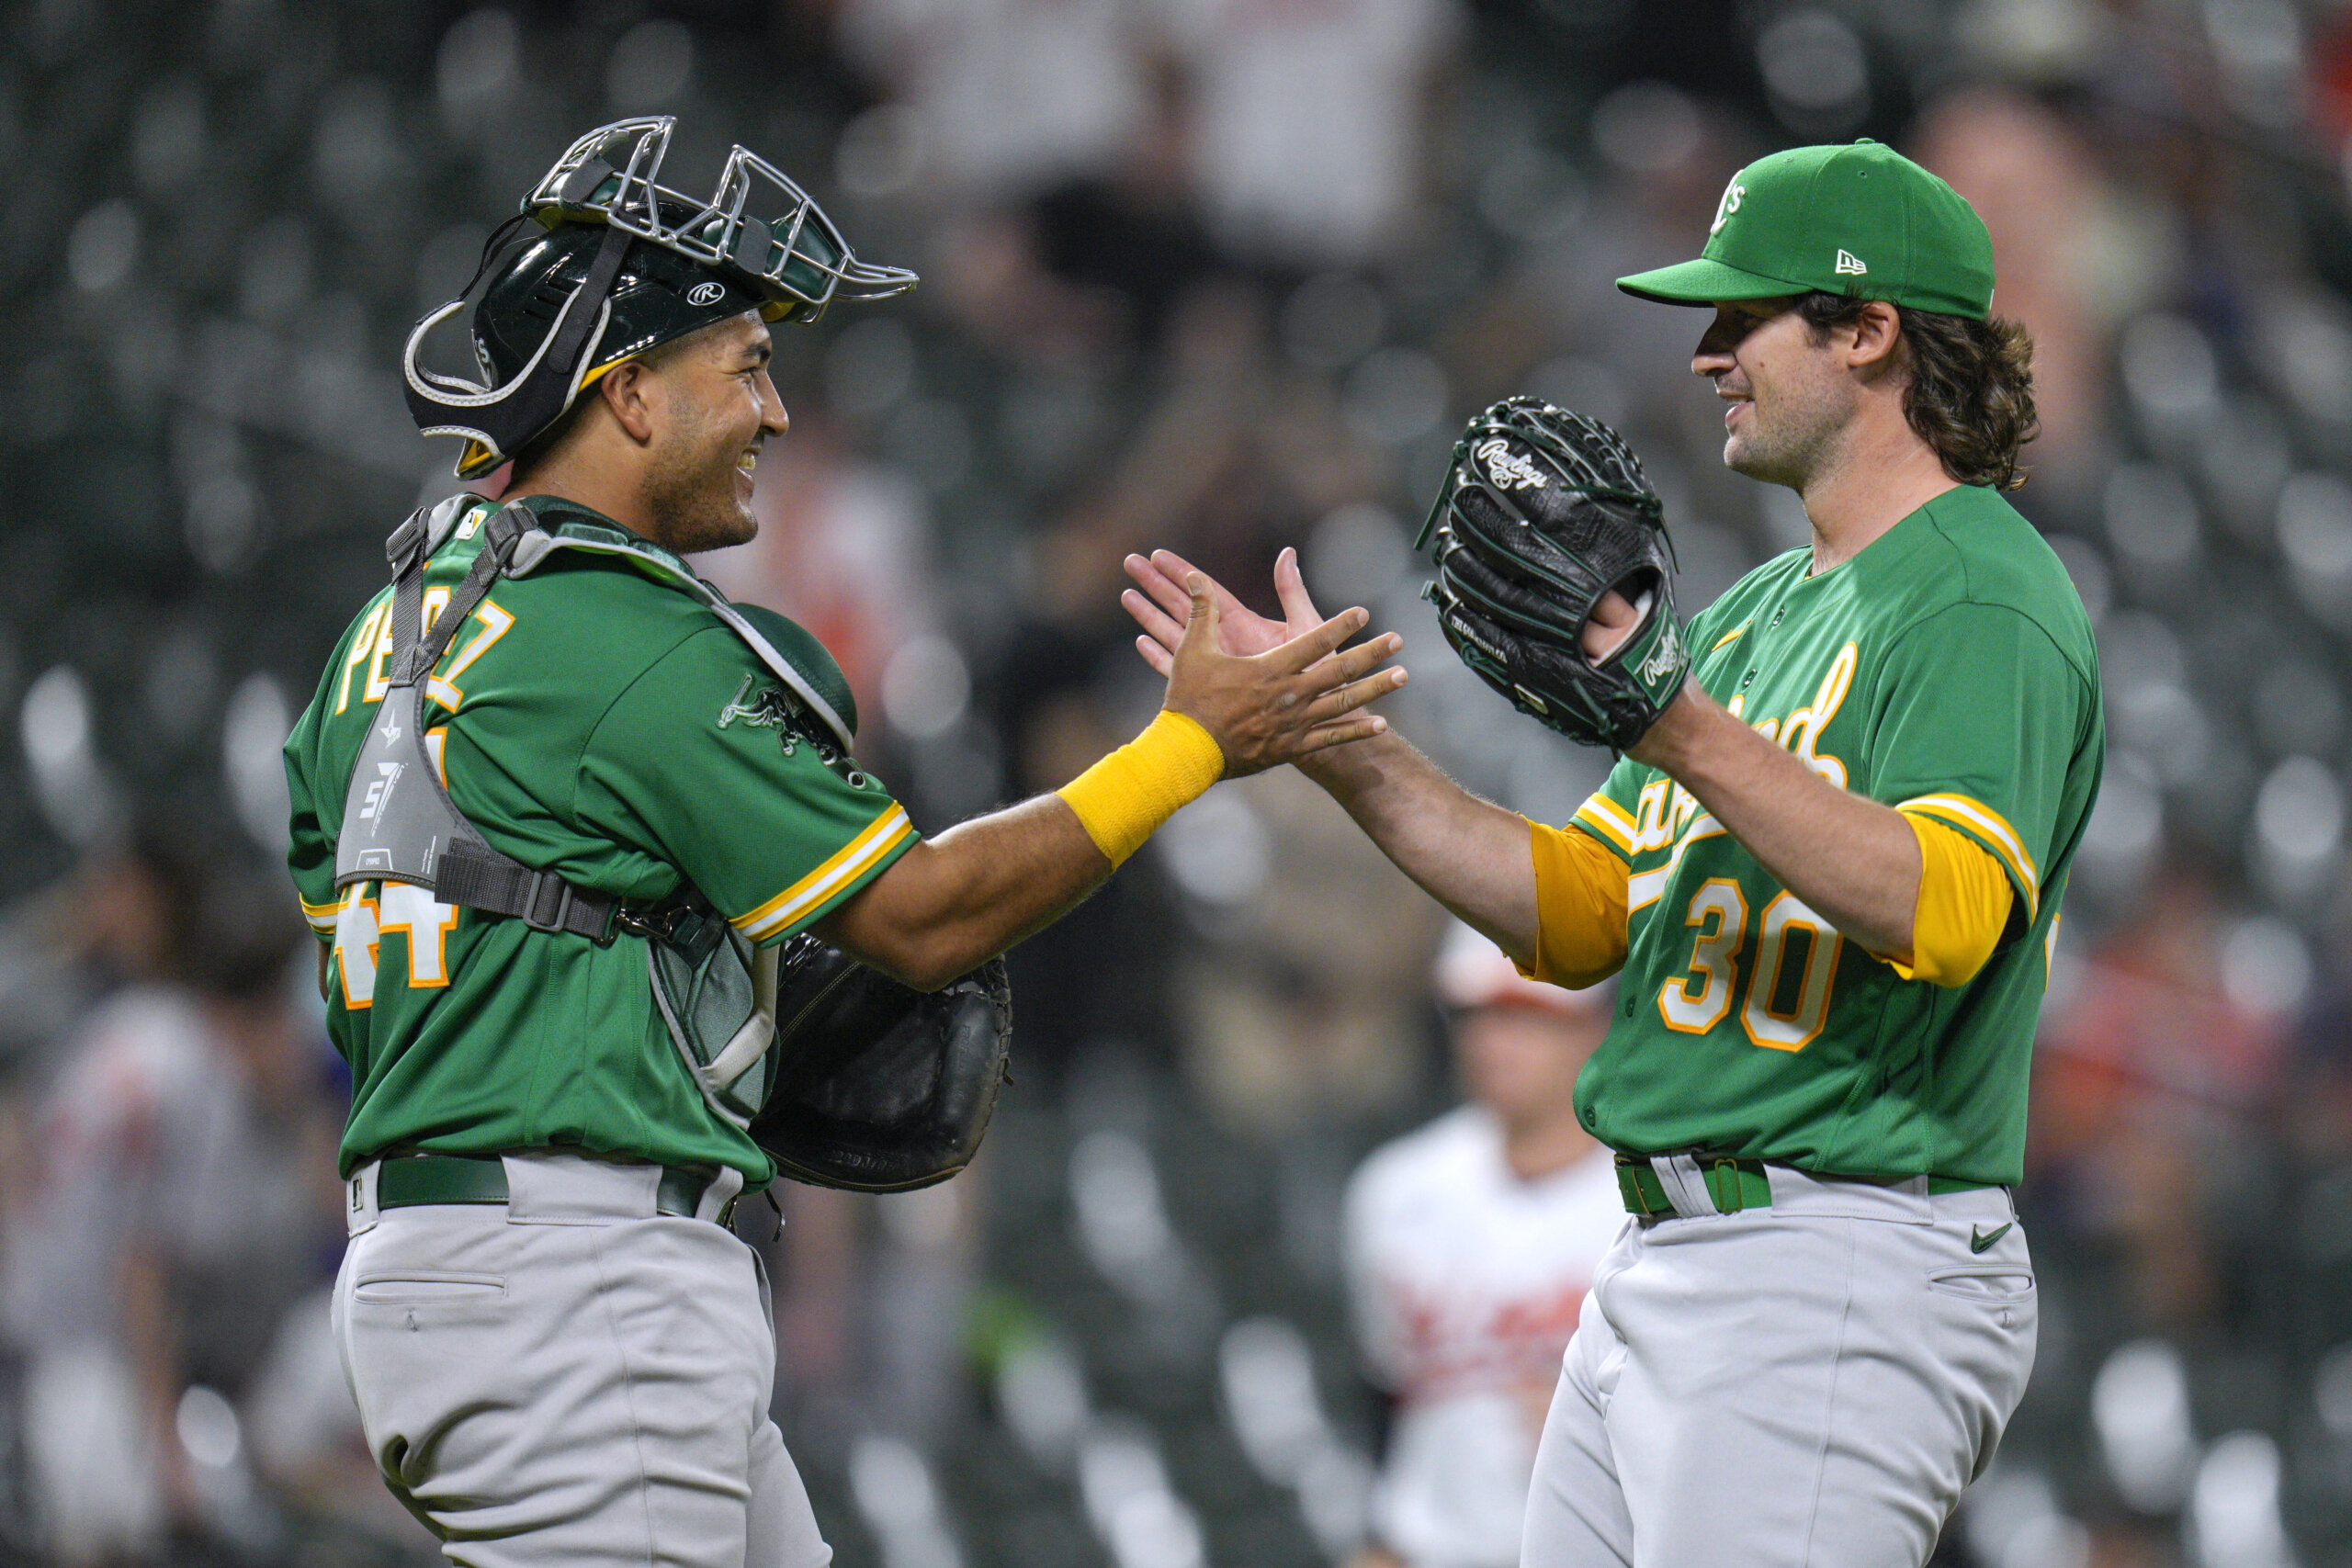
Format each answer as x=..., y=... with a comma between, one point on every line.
x=715, y=992
x=398, y=823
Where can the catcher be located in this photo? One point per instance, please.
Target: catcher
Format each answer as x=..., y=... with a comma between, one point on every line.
x=1828, y=865
x=558, y=809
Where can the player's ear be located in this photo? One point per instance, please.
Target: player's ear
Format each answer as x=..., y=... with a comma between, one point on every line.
x=629, y=392
x=1877, y=331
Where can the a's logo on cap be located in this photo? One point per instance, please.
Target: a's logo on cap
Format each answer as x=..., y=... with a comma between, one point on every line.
x=712, y=293
x=1732, y=193
x=1847, y=263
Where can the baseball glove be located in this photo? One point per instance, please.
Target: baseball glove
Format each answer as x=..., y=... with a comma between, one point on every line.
x=881, y=1088
x=1543, y=511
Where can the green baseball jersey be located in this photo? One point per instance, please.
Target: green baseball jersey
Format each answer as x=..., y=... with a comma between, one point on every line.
x=598, y=721
x=1947, y=669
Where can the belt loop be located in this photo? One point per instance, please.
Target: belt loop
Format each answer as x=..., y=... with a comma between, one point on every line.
x=1723, y=1186
x=1629, y=1186
x=359, y=1211
x=719, y=1195
x=553, y=1187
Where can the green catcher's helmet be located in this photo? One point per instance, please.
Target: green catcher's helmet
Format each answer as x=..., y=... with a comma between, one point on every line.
x=604, y=263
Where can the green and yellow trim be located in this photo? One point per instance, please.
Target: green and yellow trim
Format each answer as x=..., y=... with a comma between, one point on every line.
x=321, y=916
x=848, y=864
x=1988, y=828
x=1609, y=822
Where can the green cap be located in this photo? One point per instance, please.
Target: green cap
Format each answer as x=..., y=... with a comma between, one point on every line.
x=1861, y=220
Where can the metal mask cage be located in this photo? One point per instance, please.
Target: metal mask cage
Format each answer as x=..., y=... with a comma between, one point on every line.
x=797, y=263
x=612, y=176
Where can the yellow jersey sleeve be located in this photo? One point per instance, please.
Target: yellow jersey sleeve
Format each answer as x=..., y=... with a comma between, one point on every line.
x=1964, y=902
x=1580, y=908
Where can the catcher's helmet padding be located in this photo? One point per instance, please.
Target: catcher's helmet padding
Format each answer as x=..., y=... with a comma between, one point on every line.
x=604, y=263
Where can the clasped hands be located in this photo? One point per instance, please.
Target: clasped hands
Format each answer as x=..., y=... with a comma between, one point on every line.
x=1267, y=692
x=1274, y=691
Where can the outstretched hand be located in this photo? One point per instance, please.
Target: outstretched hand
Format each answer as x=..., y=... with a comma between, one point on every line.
x=1266, y=696
x=1163, y=606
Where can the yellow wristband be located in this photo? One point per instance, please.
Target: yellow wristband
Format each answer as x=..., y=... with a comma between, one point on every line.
x=1122, y=800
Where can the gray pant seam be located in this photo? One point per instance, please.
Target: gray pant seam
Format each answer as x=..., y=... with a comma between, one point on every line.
x=628, y=1399
x=1829, y=1405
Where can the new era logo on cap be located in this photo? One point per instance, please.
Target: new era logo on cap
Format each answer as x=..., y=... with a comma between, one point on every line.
x=1847, y=263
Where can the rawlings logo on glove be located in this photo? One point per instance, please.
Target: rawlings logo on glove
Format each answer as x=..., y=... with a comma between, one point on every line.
x=1544, y=512
x=1507, y=468
x=1669, y=657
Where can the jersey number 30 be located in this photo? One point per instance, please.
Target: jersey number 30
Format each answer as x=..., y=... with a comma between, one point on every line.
x=1695, y=1002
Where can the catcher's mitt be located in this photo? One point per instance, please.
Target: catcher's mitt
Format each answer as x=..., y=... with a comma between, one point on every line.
x=881, y=1088
x=1542, y=513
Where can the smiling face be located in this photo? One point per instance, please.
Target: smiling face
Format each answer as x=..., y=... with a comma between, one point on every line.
x=719, y=409
x=1788, y=397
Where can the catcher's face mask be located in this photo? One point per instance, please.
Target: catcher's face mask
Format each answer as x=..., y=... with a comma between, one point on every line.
x=604, y=262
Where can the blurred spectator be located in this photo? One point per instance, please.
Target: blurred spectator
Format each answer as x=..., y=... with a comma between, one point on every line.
x=183, y=1198
x=116, y=921
x=1470, y=1245
x=2147, y=1081
x=1308, y=121
x=2074, y=259
x=1301, y=998
x=1008, y=96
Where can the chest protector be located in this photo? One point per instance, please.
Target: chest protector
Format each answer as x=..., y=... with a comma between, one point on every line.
x=715, y=991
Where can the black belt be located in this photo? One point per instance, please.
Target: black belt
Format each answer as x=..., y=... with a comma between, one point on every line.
x=406, y=1182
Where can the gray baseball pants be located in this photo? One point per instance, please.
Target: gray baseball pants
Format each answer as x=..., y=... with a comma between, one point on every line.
x=1808, y=1385
x=570, y=1378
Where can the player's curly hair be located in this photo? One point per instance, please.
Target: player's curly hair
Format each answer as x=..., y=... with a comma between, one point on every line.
x=1971, y=395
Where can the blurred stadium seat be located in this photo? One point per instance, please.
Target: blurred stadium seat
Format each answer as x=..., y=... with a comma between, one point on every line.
x=1181, y=289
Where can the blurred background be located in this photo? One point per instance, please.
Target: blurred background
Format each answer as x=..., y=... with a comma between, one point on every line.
x=1221, y=275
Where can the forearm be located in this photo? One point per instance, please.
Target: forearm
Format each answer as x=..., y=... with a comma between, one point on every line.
x=1855, y=862
x=1469, y=854
x=951, y=903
